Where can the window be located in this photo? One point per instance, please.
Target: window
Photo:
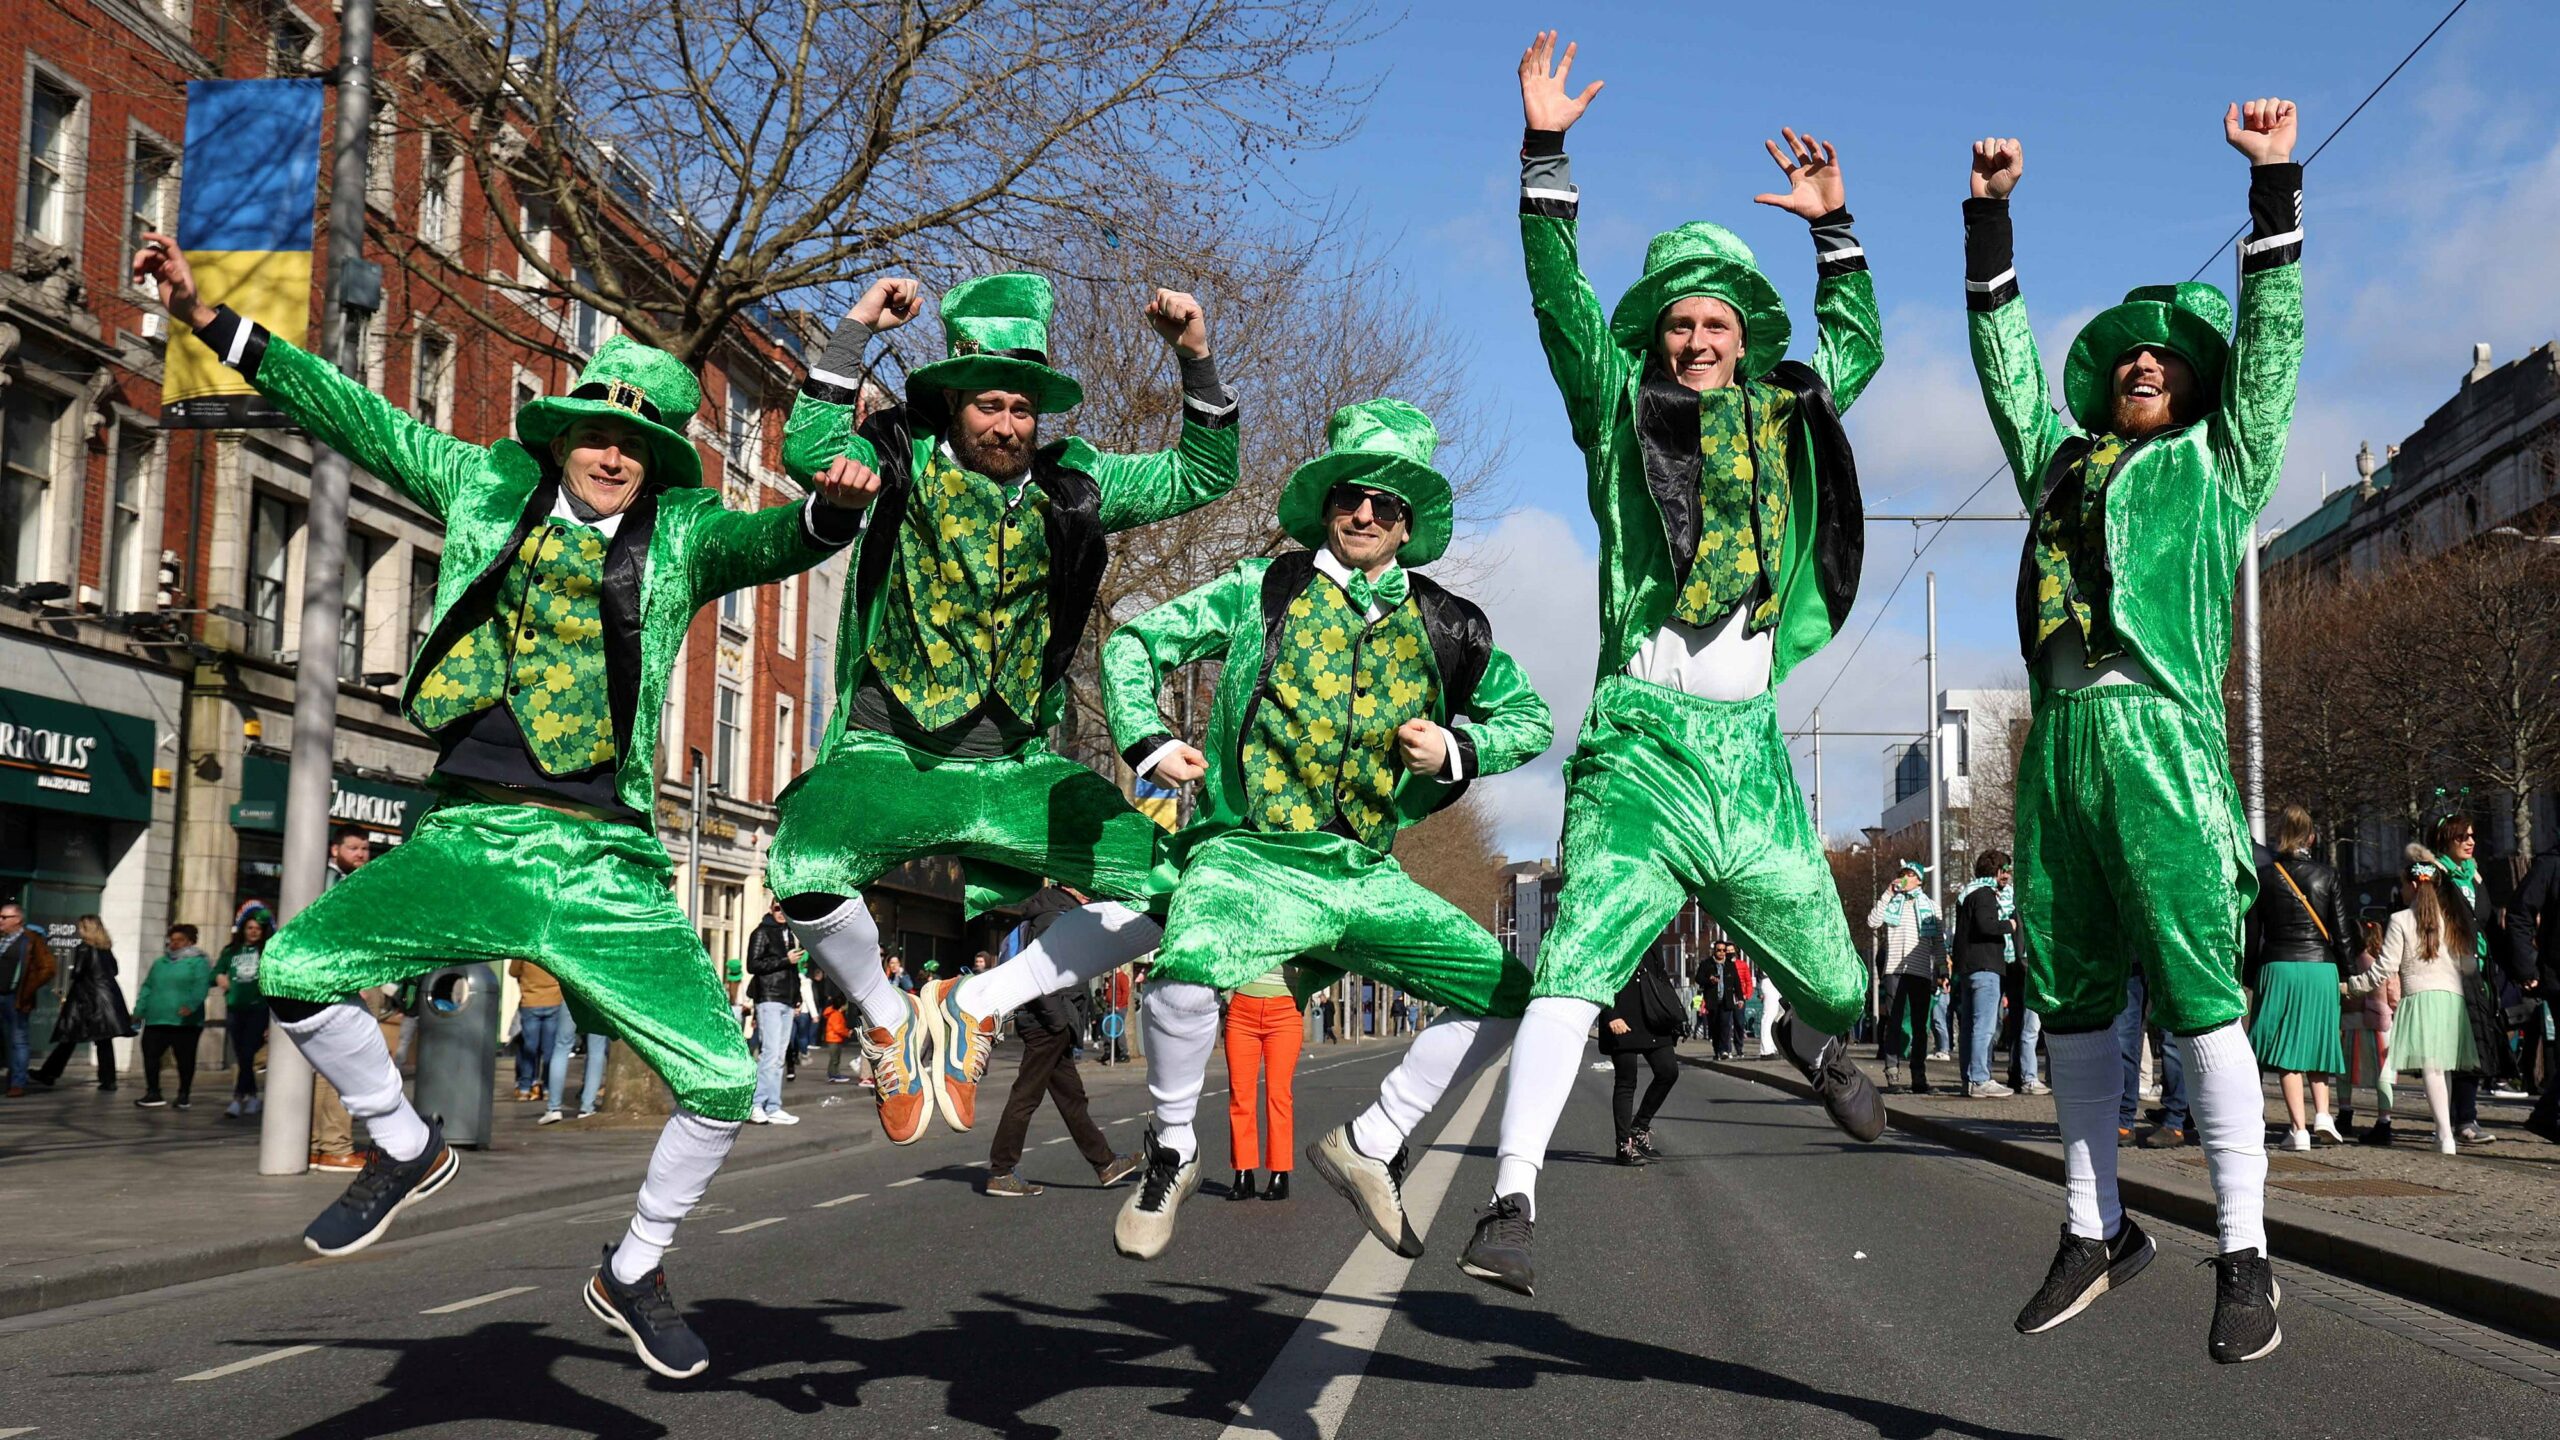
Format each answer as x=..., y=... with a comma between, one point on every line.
x=783, y=736
x=422, y=600
x=739, y=419
x=151, y=192
x=586, y=322
x=433, y=382
x=289, y=43
x=527, y=390
x=534, y=221
x=733, y=609
x=364, y=342
x=127, y=582
x=786, y=616
x=50, y=211
x=273, y=522
x=362, y=551
x=381, y=171
x=27, y=459
x=728, y=739
x=439, y=209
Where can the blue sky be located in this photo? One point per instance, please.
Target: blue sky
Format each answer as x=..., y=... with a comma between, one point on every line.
x=2430, y=225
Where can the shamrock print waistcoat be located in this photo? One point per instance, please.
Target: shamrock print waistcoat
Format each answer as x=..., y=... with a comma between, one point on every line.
x=1742, y=523
x=1320, y=751
x=2070, y=548
x=968, y=607
x=540, y=652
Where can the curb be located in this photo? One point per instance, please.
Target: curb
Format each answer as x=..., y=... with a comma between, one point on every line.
x=2506, y=1294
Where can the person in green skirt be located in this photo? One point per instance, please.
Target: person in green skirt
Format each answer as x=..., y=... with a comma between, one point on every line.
x=2299, y=939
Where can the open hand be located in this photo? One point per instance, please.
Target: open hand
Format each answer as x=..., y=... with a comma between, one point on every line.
x=848, y=484
x=888, y=304
x=1422, y=746
x=1183, y=766
x=1812, y=168
x=1544, y=102
x=162, y=267
x=2263, y=130
x=1179, y=321
x=1998, y=165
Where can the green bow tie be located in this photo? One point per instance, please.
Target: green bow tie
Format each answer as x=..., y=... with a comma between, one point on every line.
x=1388, y=589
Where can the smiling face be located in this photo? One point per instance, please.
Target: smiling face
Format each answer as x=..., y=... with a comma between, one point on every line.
x=994, y=432
x=603, y=461
x=2153, y=390
x=1355, y=532
x=1699, y=341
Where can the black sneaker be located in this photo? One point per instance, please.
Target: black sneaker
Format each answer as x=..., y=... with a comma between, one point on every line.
x=1498, y=1253
x=2084, y=1269
x=384, y=1189
x=647, y=1313
x=1847, y=1094
x=1644, y=1144
x=2245, y=1297
x=1375, y=1190
x=150, y=1102
x=1628, y=1154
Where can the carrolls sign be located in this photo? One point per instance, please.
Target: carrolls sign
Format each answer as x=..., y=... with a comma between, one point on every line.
x=55, y=755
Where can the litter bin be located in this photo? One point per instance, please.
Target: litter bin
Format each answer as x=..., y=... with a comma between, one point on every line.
x=457, y=1051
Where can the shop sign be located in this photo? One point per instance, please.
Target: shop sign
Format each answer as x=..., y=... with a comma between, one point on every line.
x=55, y=755
x=353, y=800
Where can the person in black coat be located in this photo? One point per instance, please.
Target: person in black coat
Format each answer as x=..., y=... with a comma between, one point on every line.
x=1639, y=1028
x=93, y=1009
x=1048, y=1028
x=2297, y=943
x=2533, y=951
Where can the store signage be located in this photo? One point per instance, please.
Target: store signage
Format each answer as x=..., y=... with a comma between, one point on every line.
x=56, y=755
x=353, y=800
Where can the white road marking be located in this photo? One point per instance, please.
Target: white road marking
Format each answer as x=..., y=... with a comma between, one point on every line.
x=252, y=1363
x=1061, y=1140
x=910, y=1180
x=841, y=1200
x=1125, y=1119
x=1309, y=1387
x=17, y=1430
x=480, y=1300
x=755, y=1224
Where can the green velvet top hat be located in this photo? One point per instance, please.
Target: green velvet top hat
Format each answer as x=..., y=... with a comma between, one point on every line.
x=630, y=382
x=1703, y=259
x=997, y=330
x=2188, y=319
x=1385, y=445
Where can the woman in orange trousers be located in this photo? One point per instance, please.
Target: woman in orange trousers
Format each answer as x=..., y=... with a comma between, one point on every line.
x=1264, y=1030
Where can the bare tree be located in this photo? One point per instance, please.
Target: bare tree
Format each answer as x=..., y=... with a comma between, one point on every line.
x=1453, y=855
x=676, y=164
x=2496, y=606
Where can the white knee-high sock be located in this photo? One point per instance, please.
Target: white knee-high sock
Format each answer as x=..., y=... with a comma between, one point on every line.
x=846, y=944
x=1544, y=1056
x=1447, y=1051
x=2231, y=1118
x=2440, y=1104
x=689, y=1152
x=344, y=1044
x=2088, y=1088
x=1181, y=1023
x=1083, y=944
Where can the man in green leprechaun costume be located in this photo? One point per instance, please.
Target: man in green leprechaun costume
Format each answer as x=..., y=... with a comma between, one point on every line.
x=970, y=591
x=1730, y=539
x=2131, y=843
x=575, y=555
x=1334, y=727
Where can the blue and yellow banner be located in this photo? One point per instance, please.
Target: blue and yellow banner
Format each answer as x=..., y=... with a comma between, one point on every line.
x=245, y=209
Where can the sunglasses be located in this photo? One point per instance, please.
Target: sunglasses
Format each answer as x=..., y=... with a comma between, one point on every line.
x=1345, y=499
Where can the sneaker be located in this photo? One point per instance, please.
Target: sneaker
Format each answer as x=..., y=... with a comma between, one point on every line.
x=256, y=1105
x=2473, y=1134
x=1145, y=1225
x=2084, y=1269
x=647, y=1313
x=2035, y=1087
x=2506, y=1090
x=961, y=1045
x=150, y=1102
x=2297, y=1139
x=348, y=1161
x=232, y=1110
x=584, y=1115
x=386, y=1188
x=756, y=1117
x=1498, y=1253
x=551, y=1117
x=1628, y=1154
x=185, y=1103
x=2124, y=1135
x=2245, y=1297
x=523, y=1095
x=2163, y=1137
x=1846, y=1092
x=1009, y=1186
x=2324, y=1131
x=2378, y=1133
x=897, y=1065
x=1119, y=1169
x=1643, y=1140
x=1892, y=1074
x=1988, y=1090
x=780, y=1117
x=1374, y=1188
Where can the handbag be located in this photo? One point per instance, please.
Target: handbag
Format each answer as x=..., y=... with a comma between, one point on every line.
x=1661, y=1011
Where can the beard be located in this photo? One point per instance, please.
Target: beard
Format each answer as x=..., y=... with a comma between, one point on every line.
x=2135, y=416
x=1005, y=460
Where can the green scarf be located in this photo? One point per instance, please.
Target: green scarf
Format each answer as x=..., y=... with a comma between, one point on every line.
x=2465, y=875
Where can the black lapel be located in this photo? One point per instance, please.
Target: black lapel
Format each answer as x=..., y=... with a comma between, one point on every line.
x=1077, y=556
x=626, y=565
x=1667, y=434
x=1840, y=512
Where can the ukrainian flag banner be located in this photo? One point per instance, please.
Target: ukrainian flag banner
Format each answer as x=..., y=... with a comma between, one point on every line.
x=1158, y=803
x=245, y=204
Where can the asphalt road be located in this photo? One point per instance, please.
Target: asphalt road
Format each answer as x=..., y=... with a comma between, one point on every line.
x=1768, y=1277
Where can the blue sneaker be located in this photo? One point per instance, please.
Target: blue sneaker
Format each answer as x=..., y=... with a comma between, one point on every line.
x=374, y=1198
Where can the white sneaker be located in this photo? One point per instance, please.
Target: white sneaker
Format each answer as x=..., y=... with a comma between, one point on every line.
x=758, y=1117
x=1145, y=1224
x=2036, y=1087
x=2324, y=1131
x=550, y=1117
x=2297, y=1139
x=1989, y=1090
x=780, y=1117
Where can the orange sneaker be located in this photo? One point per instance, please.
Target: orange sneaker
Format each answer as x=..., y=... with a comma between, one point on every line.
x=962, y=1044
x=897, y=1063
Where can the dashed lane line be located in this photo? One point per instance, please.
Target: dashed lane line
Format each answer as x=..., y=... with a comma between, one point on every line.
x=252, y=1363
x=910, y=1180
x=755, y=1225
x=476, y=1300
x=17, y=1430
x=841, y=1200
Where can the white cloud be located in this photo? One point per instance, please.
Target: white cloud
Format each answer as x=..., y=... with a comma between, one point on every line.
x=1540, y=586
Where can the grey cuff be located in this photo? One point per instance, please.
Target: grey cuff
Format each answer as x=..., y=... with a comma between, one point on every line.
x=1201, y=388
x=840, y=364
x=1545, y=176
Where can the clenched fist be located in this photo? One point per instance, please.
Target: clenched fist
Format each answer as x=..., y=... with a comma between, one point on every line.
x=1183, y=766
x=1423, y=746
x=1998, y=165
x=1177, y=318
x=848, y=484
x=888, y=304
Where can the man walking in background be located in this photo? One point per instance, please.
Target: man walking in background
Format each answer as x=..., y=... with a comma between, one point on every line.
x=1048, y=1028
x=773, y=989
x=26, y=964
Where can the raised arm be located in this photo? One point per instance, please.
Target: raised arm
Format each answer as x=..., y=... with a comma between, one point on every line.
x=1203, y=463
x=1850, y=346
x=421, y=462
x=829, y=407
x=2265, y=366
x=1587, y=364
x=2004, y=344
x=1140, y=654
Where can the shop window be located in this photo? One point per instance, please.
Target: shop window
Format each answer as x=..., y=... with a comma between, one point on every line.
x=29, y=453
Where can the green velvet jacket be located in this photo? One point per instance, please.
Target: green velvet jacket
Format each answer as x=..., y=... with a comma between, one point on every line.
x=1641, y=564
x=1232, y=618
x=2182, y=506
x=488, y=497
x=1091, y=493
